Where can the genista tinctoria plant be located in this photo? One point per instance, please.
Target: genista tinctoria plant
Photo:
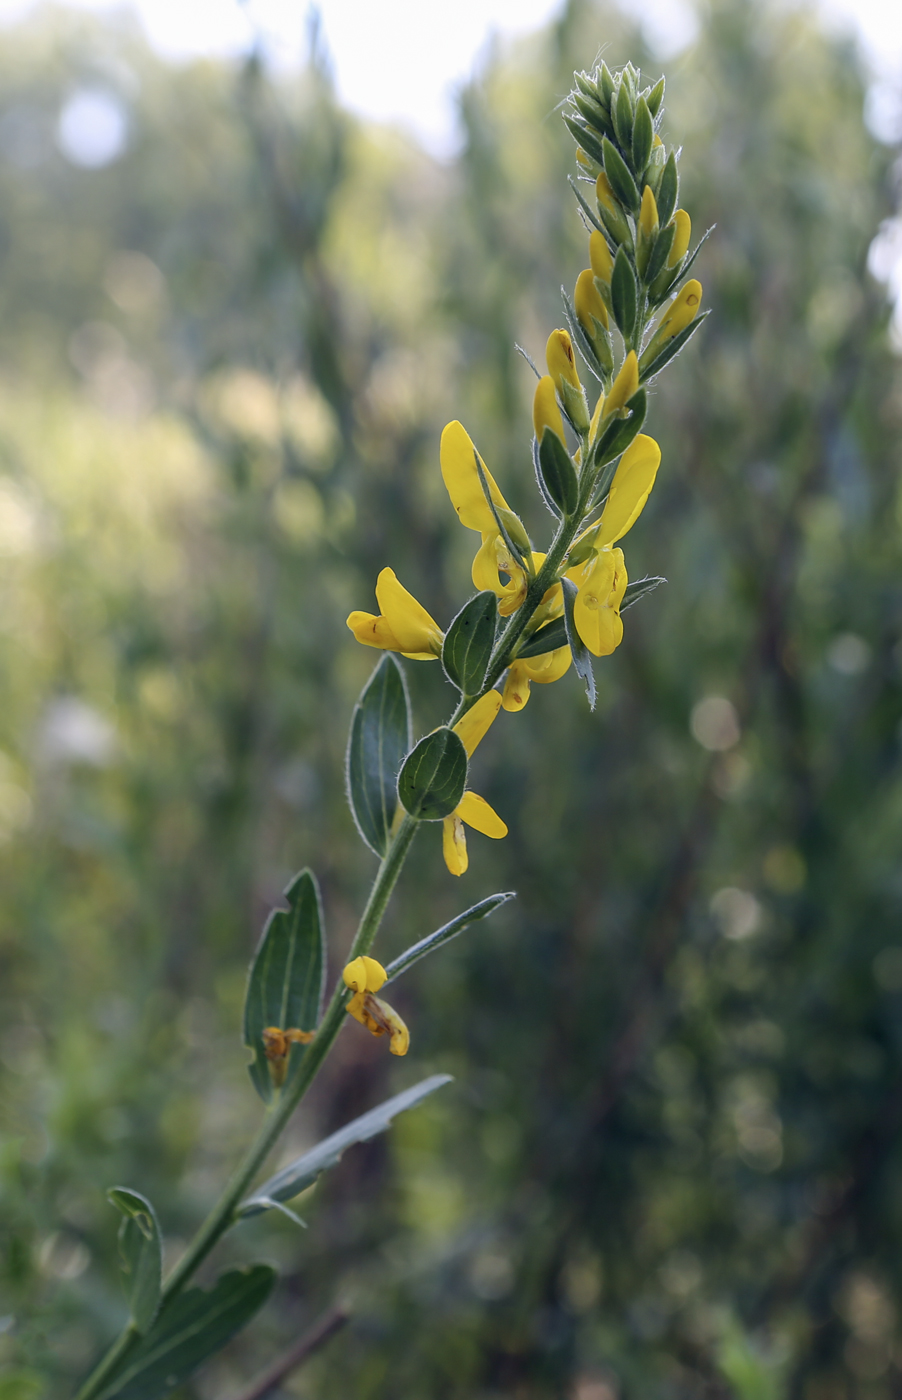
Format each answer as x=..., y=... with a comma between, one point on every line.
x=534, y=616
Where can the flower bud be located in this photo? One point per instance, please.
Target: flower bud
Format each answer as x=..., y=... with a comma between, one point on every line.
x=625, y=385
x=682, y=234
x=648, y=213
x=545, y=412
x=562, y=369
x=600, y=256
x=611, y=213
x=680, y=314
x=588, y=304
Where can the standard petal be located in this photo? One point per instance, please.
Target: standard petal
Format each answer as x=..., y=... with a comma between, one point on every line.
x=458, y=459
x=633, y=480
x=454, y=845
x=408, y=620
x=477, y=813
x=476, y=723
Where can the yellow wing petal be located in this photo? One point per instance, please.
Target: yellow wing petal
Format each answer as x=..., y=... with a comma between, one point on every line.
x=458, y=459
x=516, y=687
x=477, y=813
x=373, y=631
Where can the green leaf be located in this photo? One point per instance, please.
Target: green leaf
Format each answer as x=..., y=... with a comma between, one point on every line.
x=618, y=433
x=582, y=657
x=668, y=190
x=140, y=1255
x=513, y=545
x=434, y=775
x=380, y=737
x=590, y=215
x=547, y=638
x=637, y=590
x=469, y=641
x=585, y=138
x=605, y=83
x=446, y=933
x=622, y=182
x=624, y=295
x=590, y=108
x=300, y=1174
x=673, y=347
x=659, y=253
x=643, y=136
x=558, y=472
x=190, y=1329
x=656, y=97
x=622, y=114
x=287, y=978
x=542, y=491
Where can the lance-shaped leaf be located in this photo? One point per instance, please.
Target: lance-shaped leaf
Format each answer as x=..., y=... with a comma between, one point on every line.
x=432, y=780
x=624, y=295
x=622, y=115
x=637, y=590
x=287, y=978
x=581, y=132
x=582, y=658
x=622, y=182
x=549, y=503
x=660, y=253
x=442, y=935
x=673, y=347
x=617, y=434
x=548, y=638
x=643, y=136
x=380, y=737
x=190, y=1329
x=469, y=641
x=140, y=1255
x=558, y=472
x=592, y=217
x=668, y=190
x=656, y=97
x=294, y=1179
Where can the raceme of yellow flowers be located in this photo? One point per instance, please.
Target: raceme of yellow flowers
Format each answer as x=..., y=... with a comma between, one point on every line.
x=597, y=477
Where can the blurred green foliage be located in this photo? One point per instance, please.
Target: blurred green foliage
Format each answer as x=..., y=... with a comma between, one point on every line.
x=669, y=1164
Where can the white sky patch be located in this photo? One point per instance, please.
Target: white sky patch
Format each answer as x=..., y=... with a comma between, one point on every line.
x=404, y=60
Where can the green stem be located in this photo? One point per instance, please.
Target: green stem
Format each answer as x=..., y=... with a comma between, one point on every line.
x=110, y=1363
x=222, y=1216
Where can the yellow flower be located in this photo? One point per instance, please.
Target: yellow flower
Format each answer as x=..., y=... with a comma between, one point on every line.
x=277, y=1047
x=472, y=809
x=596, y=610
x=365, y=976
x=602, y=578
x=404, y=625
x=541, y=669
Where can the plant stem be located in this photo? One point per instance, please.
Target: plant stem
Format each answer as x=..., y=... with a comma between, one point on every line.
x=222, y=1216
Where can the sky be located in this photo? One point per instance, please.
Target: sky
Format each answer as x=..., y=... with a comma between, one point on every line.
x=402, y=60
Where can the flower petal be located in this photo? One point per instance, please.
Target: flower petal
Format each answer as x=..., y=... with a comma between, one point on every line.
x=477, y=813
x=408, y=620
x=373, y=631
x=630, y=489
x=557, y=664
x=472, y=728
x=516, y=687
x=454, y=844
x=596, y=610
x=458, y=459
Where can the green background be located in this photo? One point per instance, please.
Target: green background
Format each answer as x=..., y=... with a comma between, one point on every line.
x=669, y=1164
